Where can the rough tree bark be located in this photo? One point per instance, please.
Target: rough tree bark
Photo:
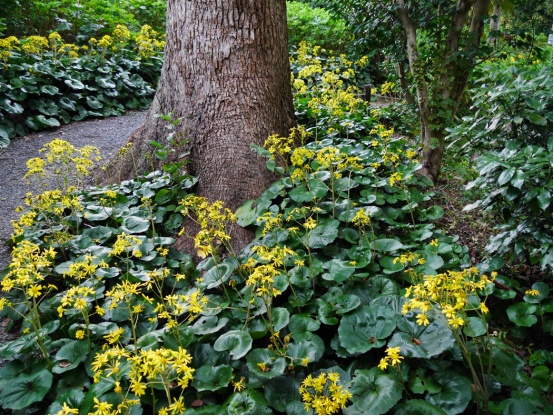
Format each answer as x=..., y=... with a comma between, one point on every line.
x=439, y=102
x=226, y=74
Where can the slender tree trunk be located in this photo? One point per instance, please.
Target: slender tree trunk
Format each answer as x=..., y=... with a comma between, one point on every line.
x=226, y=74
x=438, y=103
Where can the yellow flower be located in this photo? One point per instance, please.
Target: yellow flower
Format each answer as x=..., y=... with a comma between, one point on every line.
x=305, y=362
x=422, y=319
x=66, y=410
x=239, y=385
x=383, y=364
x=35, y=291
x=80, y=334
x=310, y=224
x=532, y=292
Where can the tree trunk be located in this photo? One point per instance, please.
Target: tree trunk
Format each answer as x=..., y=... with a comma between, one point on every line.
x=226, y=74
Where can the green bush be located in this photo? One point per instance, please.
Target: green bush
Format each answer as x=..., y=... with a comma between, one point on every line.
x=513, y=125
x=46, y=82
x=316, y=26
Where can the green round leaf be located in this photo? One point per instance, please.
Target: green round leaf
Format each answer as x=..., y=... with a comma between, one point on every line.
x=280, y=318
x=374, y=392
x=419, y=383
x=422, y=341
x=237, y=342
x=311, y=349
x=70, y=356
x=25, y=390
x=219, y=274
x=208, y=325
x=543, y=289
x=418, y=407
x=136, y=225
x=322, y=235
x=273, y=366
x=210, y=378
x=386, y=245
x=316, y=189
x=280, y=391
x=338, y=270
x=455, y=394
x=475, y=327
x=366, y=328
x=522, y=314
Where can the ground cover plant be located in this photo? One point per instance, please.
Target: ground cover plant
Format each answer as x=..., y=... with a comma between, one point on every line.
x=350, y=299
x=46, y=82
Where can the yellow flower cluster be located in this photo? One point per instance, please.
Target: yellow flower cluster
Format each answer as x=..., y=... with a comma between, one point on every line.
x=324, y=394
x=76, y=297
x=262, y=277
x=408, y=258
x=393, y=358
x=35, y=44
x=80, y=270
x=7, y=45
x=176, y=305
x=124, y=243
x=447, y=293
x=361, y=219
x=333, y=95
x=212, y=219
x=28, y=267
x=149, y=42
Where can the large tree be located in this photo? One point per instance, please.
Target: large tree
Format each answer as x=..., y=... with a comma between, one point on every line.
x=226, y=75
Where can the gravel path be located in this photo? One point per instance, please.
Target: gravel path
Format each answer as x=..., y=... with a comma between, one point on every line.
x=108, y=134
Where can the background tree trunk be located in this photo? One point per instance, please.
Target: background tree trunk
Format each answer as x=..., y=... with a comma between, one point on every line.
x=226, y=74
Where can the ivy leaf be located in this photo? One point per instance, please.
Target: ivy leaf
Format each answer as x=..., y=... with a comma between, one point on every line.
x=210, y=378
x=322, y=235
x=237, y=342
x=25, y=390
x=522, y=314
x=455, y=394
x=366, y=328
x=373, y=392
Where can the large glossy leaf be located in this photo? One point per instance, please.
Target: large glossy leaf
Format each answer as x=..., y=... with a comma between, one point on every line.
x=338, y=270
x=136, y=225
x=522, y=314
x=280, y=391
x=280, y=318
x=386, y=245
x=311, y=349
x=265, y=364
x=322, y=235
x=25, y=390
x=366, y=328
x=208, y=325
x=210, y=378
x=422, y=341
x=418, y=407
x=455, y=393
x=219, y=274
x=70, y=356
x=374, y=392
x=315, y=189
x=237, y=342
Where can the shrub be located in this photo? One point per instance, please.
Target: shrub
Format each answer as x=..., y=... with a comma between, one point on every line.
x=513, y=122
x=316, y=26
